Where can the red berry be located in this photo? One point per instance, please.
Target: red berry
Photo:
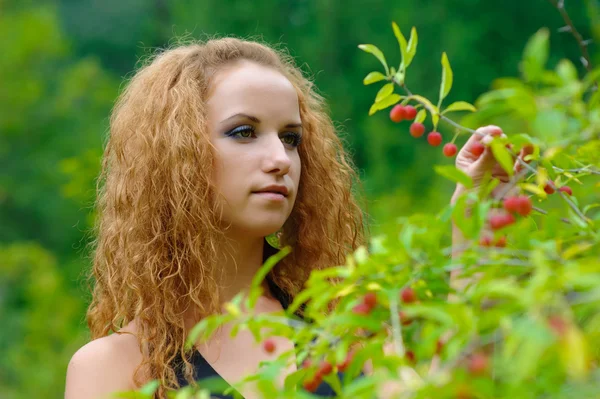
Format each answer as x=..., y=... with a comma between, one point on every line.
x=306, y=363
x=566, y=190
x=410, y=112
x=501, y=242
x=478, y=364
x=558, y=325
x=548, y=189
x=404, y=319
x=344, y=365
x=477, y=148
x=408, y=295
x=361, y=309
x=417, y=129
x=464, y=392
x=485, y=241
x=397, y=113
x=450, y=150
x=439, y=345
x=312, y=385
x=496, y=132
x=524, y=205
x=511, y=204
x=325, y=369
x=269, y=345
x=410, y=355
x=434, y=139
x=370, y=300
x=499, y=221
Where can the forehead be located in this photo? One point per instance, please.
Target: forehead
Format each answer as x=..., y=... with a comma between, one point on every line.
x=247, y=87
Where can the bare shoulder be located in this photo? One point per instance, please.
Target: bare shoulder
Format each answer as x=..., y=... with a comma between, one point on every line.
x=104, y=366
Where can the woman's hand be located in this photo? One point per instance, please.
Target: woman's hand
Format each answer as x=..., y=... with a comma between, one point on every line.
x=477, y=164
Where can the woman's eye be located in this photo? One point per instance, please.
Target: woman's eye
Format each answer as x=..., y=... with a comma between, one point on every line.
x=244, y=132
x=293, y=139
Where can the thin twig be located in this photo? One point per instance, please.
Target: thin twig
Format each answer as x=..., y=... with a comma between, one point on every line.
x=543, y=212
x=580, y=170
x=583, y=44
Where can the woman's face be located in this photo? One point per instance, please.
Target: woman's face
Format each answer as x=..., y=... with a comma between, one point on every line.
x=255, y=127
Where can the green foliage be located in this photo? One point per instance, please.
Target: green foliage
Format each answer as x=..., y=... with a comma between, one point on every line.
x=40, y=322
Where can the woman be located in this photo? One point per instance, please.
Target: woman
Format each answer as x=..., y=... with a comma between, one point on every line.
x=212, y=148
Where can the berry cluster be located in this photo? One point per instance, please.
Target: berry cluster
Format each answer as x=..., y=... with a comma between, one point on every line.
x=401, y=113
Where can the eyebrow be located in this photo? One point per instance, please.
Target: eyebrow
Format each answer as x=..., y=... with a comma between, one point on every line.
x=255, y=119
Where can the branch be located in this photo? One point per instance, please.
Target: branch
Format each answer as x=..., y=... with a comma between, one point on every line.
x=580, y=170
x=585, y=59
x=543, y=212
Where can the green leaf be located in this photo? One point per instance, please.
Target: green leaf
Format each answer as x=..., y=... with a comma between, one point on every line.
x=385, y=91
x=421, y=115
x=467, y=225
x=591, y=78
x=373, y=77
x=369, y=48
x=502, y=156
x=403, y=45
x=459, y=106
x=566, y=71
x=447, y=78
x=150, y=388
x=384, y=103
x=454, y=174
x=535, y=55
x=255, y=290
x=411, y=48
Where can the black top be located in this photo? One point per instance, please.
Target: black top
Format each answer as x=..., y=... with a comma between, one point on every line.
x=203, y=370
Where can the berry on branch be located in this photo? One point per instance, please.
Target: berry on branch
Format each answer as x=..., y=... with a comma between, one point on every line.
x=450, y=150
x=397, y=113
x=566, y=190
x=417, y=129
x=434, y=139
x=410, y=112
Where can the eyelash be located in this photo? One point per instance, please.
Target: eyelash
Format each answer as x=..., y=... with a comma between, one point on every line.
x=296, y=137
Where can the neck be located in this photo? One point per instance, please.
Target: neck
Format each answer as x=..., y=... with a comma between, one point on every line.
x=245, y=258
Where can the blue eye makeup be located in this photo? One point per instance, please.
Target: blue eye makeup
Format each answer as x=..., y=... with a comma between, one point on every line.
x=292, y=139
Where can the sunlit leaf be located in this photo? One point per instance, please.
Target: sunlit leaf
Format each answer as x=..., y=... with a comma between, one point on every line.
x=385, y=91
x=402, y=43
x=373, y=77
x=369, y=48
x=411, y=48
x=421, y=115
x=384, y=103
x=447, y=78
x=459, y=106
x=502, y=156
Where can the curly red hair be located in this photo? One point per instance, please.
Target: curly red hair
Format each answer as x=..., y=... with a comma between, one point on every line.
x=157, y=229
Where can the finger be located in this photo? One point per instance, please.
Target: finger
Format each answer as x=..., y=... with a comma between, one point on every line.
x=527, y=150
x=487, y=160
x=473, y=147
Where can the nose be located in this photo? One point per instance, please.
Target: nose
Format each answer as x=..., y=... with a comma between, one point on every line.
x=276, y=158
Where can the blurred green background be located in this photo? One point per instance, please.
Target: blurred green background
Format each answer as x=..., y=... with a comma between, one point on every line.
x=62, y=64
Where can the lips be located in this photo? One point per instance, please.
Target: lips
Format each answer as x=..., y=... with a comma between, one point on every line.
x=274, y=189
